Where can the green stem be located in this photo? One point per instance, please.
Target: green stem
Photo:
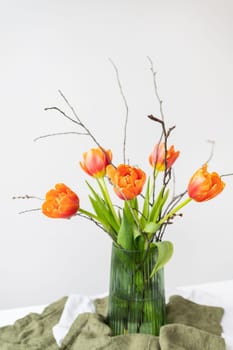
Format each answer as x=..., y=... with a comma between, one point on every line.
x=155, y=174
x=107, y=198
x=175, y=210
x=88, y=213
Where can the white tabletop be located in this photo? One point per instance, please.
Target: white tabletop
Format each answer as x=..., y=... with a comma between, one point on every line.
x=9, y=316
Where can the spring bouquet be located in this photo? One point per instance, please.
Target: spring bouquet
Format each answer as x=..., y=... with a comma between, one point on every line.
x=134, y=209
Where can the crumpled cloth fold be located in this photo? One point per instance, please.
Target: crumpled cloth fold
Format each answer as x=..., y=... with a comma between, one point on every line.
x=190, y=326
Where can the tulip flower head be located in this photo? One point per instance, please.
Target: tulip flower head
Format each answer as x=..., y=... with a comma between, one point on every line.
x=127, y=180
x=60, y=202
x=157, y=157
x=95, y=162
x=204, y=185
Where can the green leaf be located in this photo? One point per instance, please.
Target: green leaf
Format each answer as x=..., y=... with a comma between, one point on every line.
x=134, y=206
x=104, y=191
x=146, y=205
x=103, y=214
x=151, y=228
x=126, y=235
x=158, y=205
x=102, y=209
x=165, y=251
x=136, y=233
x=98, y=208
x=139, y=239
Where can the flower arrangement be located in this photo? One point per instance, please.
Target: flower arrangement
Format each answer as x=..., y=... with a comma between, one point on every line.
x=146, y=209
x=134, y=209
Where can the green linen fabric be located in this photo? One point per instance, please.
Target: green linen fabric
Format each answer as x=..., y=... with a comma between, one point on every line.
x=190, y=326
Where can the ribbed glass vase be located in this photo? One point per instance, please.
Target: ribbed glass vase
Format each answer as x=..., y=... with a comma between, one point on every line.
x=136, y=300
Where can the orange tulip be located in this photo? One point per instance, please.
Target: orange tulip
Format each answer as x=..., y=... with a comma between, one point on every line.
x=204, y=186
x=60, y=202
x=127, y=180
x=157, y=157
x=95, y=162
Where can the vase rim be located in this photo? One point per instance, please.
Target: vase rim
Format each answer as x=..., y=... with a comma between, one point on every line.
x=130, y=250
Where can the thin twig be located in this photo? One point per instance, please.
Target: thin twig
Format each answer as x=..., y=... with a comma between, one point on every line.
x=173, y=183
x=165, y=133
x=63, y=113
x=212, y=150
x=126, y=107
x=60, y=133
x=169, y=208
x=229, y=174
x=156, y=87
x=69, y=105
x=161, y=121
x=78, y=122
x=28, y=197
x=29, y=210
x=167, y=172
x=97, y=224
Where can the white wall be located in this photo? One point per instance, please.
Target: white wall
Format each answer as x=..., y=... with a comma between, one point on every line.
x=48, y=45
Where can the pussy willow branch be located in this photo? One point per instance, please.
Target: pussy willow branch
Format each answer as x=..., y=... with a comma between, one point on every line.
x=159, y=237
x=126, y=108
x=169, y=208
x=27, y=197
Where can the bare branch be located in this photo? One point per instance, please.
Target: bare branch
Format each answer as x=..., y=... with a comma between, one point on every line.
x=230, y=174
x=156, y=87
x=29, y=210
x=61, y=133
x=126, y=107
x=167, y=172
x=161, y=121
x=212, y=150
x=170, y=130
x=63, y=113
x=77, y=121
x=80, y=123
x=27, y=197
x=69, y=105
x=170, y=206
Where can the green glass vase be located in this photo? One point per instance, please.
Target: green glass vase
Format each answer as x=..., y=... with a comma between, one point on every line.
x=136, y=300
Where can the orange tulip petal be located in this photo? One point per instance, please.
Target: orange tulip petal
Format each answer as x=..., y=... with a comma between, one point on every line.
x=95, y=162
x=60, y=202
x=157, y=157
x=127, y=181
x=204, y=186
